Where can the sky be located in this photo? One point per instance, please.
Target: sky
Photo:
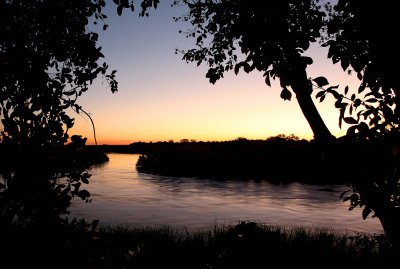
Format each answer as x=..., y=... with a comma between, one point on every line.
x=162, y=98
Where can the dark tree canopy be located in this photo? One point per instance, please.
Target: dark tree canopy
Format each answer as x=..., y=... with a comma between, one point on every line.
x=49, y=56
x=270, y=38
x=359, y=40
x=48, y=59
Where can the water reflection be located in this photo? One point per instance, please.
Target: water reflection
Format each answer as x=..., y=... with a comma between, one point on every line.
x=121, y=195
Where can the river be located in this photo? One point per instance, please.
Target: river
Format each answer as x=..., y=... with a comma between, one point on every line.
x=121, y=195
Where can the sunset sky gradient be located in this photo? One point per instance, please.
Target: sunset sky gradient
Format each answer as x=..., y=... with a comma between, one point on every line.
x=161, y=97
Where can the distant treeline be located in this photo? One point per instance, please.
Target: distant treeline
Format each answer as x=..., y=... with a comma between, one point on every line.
x=148, y=147
x=278, y=159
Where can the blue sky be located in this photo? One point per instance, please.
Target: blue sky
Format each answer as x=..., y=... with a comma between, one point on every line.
x=161, y=97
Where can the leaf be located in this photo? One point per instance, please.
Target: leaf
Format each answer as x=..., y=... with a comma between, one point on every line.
x=350, y=120
x=77, y=108
x=321, y=81
x=286, y=94
x=119, y=10
x=344, y=64
x=336, y=94
x=83, y=194
x=371, y=100
x=359, y=75
x=361, y=88
x=267, y=80
x=319, y=94
x=246, y=67
x=236, y=70
x=375, y=94
x=69, y=93
x=199, y=39
x=307, y=60
x=357, y=102
x=84, y=180
x=366, y=114
x=346, y=90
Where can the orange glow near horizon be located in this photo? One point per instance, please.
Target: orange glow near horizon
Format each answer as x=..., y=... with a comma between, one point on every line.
x=161, y=97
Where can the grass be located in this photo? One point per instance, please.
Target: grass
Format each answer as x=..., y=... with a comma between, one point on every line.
x=246, y=245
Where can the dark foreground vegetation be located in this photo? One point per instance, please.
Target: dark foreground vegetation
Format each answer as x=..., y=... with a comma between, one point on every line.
x=246, y=245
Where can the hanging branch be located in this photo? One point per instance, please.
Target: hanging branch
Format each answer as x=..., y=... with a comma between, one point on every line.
x=79, y=108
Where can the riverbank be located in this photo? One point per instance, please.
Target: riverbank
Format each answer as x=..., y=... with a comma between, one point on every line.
x=280, y=159
x=13, y=157
x=245, y=245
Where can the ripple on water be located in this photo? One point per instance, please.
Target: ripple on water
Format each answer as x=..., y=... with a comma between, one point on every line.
x=122, y=195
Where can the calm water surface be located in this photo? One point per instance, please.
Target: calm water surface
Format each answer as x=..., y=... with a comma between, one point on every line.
x=121, y=195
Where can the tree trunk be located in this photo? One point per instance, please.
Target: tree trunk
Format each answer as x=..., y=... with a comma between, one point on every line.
x=310, y=112
x=390, y=220
x=303, y=89
x=377, y=197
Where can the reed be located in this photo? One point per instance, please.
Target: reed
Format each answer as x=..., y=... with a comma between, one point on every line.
x=242, y=245
x=245, y=245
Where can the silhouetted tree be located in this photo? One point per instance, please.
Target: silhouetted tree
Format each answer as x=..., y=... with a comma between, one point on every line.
x=272, y=37
x=360, y=42
x=268, y=37
x=48, y=58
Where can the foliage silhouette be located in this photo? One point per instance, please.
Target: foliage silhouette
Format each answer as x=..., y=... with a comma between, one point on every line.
x=229, y=36
x=359, y=41
x=49, y=58
x=271, y=38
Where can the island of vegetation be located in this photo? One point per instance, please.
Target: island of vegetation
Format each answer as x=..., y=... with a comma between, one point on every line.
x=279, y=159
